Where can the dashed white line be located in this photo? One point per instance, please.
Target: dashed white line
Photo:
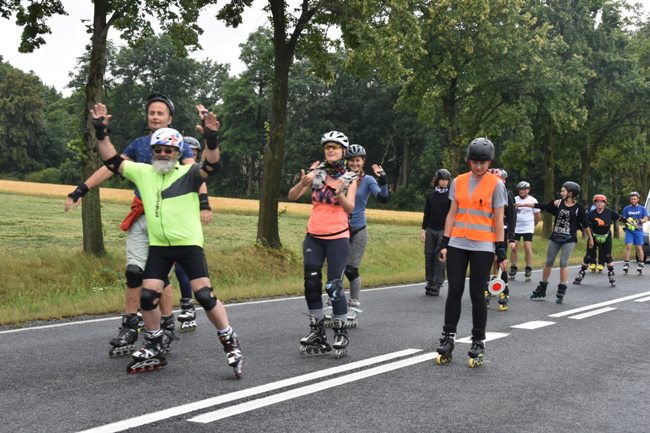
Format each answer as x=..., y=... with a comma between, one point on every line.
x=535, y=324
x=489, y=336
x=309, y=389
x=592, y=313
x=244, y=393
x=642, y=299
x=602, y=304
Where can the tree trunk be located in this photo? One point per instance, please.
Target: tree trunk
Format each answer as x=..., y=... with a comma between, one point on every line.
x=585, y=167
x=268, y=233
x=404, y=168
x=453, y=152
x=549, y=180
x=91, y=216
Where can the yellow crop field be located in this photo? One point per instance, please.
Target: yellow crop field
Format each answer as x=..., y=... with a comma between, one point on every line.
x=219, y=204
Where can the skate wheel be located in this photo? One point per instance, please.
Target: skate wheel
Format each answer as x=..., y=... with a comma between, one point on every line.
x=439, y=360
x=341, y=353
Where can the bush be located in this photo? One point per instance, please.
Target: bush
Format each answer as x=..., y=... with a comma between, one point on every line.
x=407, y=198
x=47, y=175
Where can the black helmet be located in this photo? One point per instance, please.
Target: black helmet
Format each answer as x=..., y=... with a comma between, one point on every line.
x=572, y=187
x=480, y=149
x=161, y=98
x=441, y=174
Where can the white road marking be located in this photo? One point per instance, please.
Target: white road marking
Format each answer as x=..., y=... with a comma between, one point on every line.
x=309, y=389
x=592, y=313
x=489, y=336
x=602, y=304
x=244, y=393
x=535, y=324
x=642, y=299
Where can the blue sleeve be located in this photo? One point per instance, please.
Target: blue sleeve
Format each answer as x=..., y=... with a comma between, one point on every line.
x=379, y=192
x=130, y=150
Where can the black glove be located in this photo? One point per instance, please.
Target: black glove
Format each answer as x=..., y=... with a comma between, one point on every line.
x=500, y=251
x=204, y=203
x=211, y=137
x=444, y=243
x=382, y=179
x=79, y=192
x=100, y=129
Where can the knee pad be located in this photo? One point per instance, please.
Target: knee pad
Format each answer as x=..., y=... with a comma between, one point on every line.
x=351, y=273
x=313, y=285
x=587, y=258
x=149, y=299
x=334, y=289
x=133, y=275
x=206, y=298
x=608, y=258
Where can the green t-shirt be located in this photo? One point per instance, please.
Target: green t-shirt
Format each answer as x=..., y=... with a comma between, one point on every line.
x=171, y=203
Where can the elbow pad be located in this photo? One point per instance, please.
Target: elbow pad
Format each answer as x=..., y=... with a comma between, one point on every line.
x=211, y=168
x=114, y=162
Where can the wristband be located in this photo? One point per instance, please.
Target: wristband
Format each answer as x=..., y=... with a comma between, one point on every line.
x=445, y=242
x=204, y=202
x=79, y=192
x=500, y=251
x=100, y=128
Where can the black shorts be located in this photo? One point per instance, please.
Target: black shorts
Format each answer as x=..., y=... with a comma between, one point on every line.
x=528, y=237
x=161, y=259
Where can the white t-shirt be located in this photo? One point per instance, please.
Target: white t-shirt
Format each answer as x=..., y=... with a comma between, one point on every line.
x=526, y=215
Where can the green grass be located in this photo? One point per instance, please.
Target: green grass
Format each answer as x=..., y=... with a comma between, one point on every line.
x=45, y=275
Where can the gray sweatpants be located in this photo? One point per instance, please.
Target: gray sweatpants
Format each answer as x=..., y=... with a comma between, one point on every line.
x=358, y=244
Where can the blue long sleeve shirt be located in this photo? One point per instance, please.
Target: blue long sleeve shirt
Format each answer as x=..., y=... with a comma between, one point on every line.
x=366, y=186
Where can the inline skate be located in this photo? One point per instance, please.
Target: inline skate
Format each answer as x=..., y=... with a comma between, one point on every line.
x=150, y=357
x=639, y=268
x=600, y=268
x=124, y=342
x=592, y=267
x=432, y=289
x=626, y=266
x=169, y=332
x=476, y=353
x=610, y=275
x=504, y=299
x=233, y=351
x=187, y=316
x=315, y=343
x=580, y=276
x=527, y=274
x=561, y=291
x=540, y=292
x=353, y=313
x=513, y=272
x=445, y=348
x=341, y=340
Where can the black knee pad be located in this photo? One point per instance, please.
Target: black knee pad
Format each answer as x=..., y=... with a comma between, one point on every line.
x=587, y=259
x=335, y=289
x=133, y=275
x=206, y=298
x=608, y=258
x=351, y=273
x=313, y=284
x=149, y=299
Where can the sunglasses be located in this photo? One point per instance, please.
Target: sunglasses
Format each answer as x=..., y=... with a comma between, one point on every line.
x=166, y=150
x=331, y=147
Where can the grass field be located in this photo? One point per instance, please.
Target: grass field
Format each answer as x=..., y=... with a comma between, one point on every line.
x=45, y=274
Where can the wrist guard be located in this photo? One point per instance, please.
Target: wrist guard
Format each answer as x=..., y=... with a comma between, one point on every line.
x=444, y=243
x=113, y=163
x=79, y=192
x=210, y=136
x=500, y=251
x=382, y=179
x=100, y=129
x=210, y=168
x=204, y=202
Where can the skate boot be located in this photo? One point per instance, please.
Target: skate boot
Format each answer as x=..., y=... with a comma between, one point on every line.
x=600, y=268
x=328, y=312
x=187, y=316
x=626, y=266
x=169, y=332
x=476, y=353
x=445, y=348
x=527, y=274
x=140, y=321
x=150, y=357
x=561, y=291
x=341, y=340
x=580, y=276
x=639, y=268
x=233, y=351
x=353, y=313
x=592, y=267
x=540, y=291
x=124, y=342
x=503, y=301
x=432, y=290
x=610, y=275
x=315, y=343
x=513, y=272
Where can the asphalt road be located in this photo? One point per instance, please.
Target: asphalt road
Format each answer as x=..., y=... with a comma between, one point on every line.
x=549, y=369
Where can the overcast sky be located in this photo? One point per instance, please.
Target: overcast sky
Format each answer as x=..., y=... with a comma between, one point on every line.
x=54, y=60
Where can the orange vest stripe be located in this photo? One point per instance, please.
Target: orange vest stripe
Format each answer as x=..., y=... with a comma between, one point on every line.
x=475, y=215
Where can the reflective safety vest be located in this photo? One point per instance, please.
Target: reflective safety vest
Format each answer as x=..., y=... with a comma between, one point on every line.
x=475, y=215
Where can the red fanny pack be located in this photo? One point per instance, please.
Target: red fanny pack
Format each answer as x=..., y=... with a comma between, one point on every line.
x=137, y=209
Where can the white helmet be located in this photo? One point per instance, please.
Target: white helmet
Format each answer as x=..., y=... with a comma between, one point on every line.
x=335, y=137
x=167, y=137
x=192, y=142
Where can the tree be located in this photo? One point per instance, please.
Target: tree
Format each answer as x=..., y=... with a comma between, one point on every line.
x=132, y=18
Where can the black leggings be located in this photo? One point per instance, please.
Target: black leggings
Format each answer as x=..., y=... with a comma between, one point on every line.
x=480, y=263
x=315, y=252
x=602, y=251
